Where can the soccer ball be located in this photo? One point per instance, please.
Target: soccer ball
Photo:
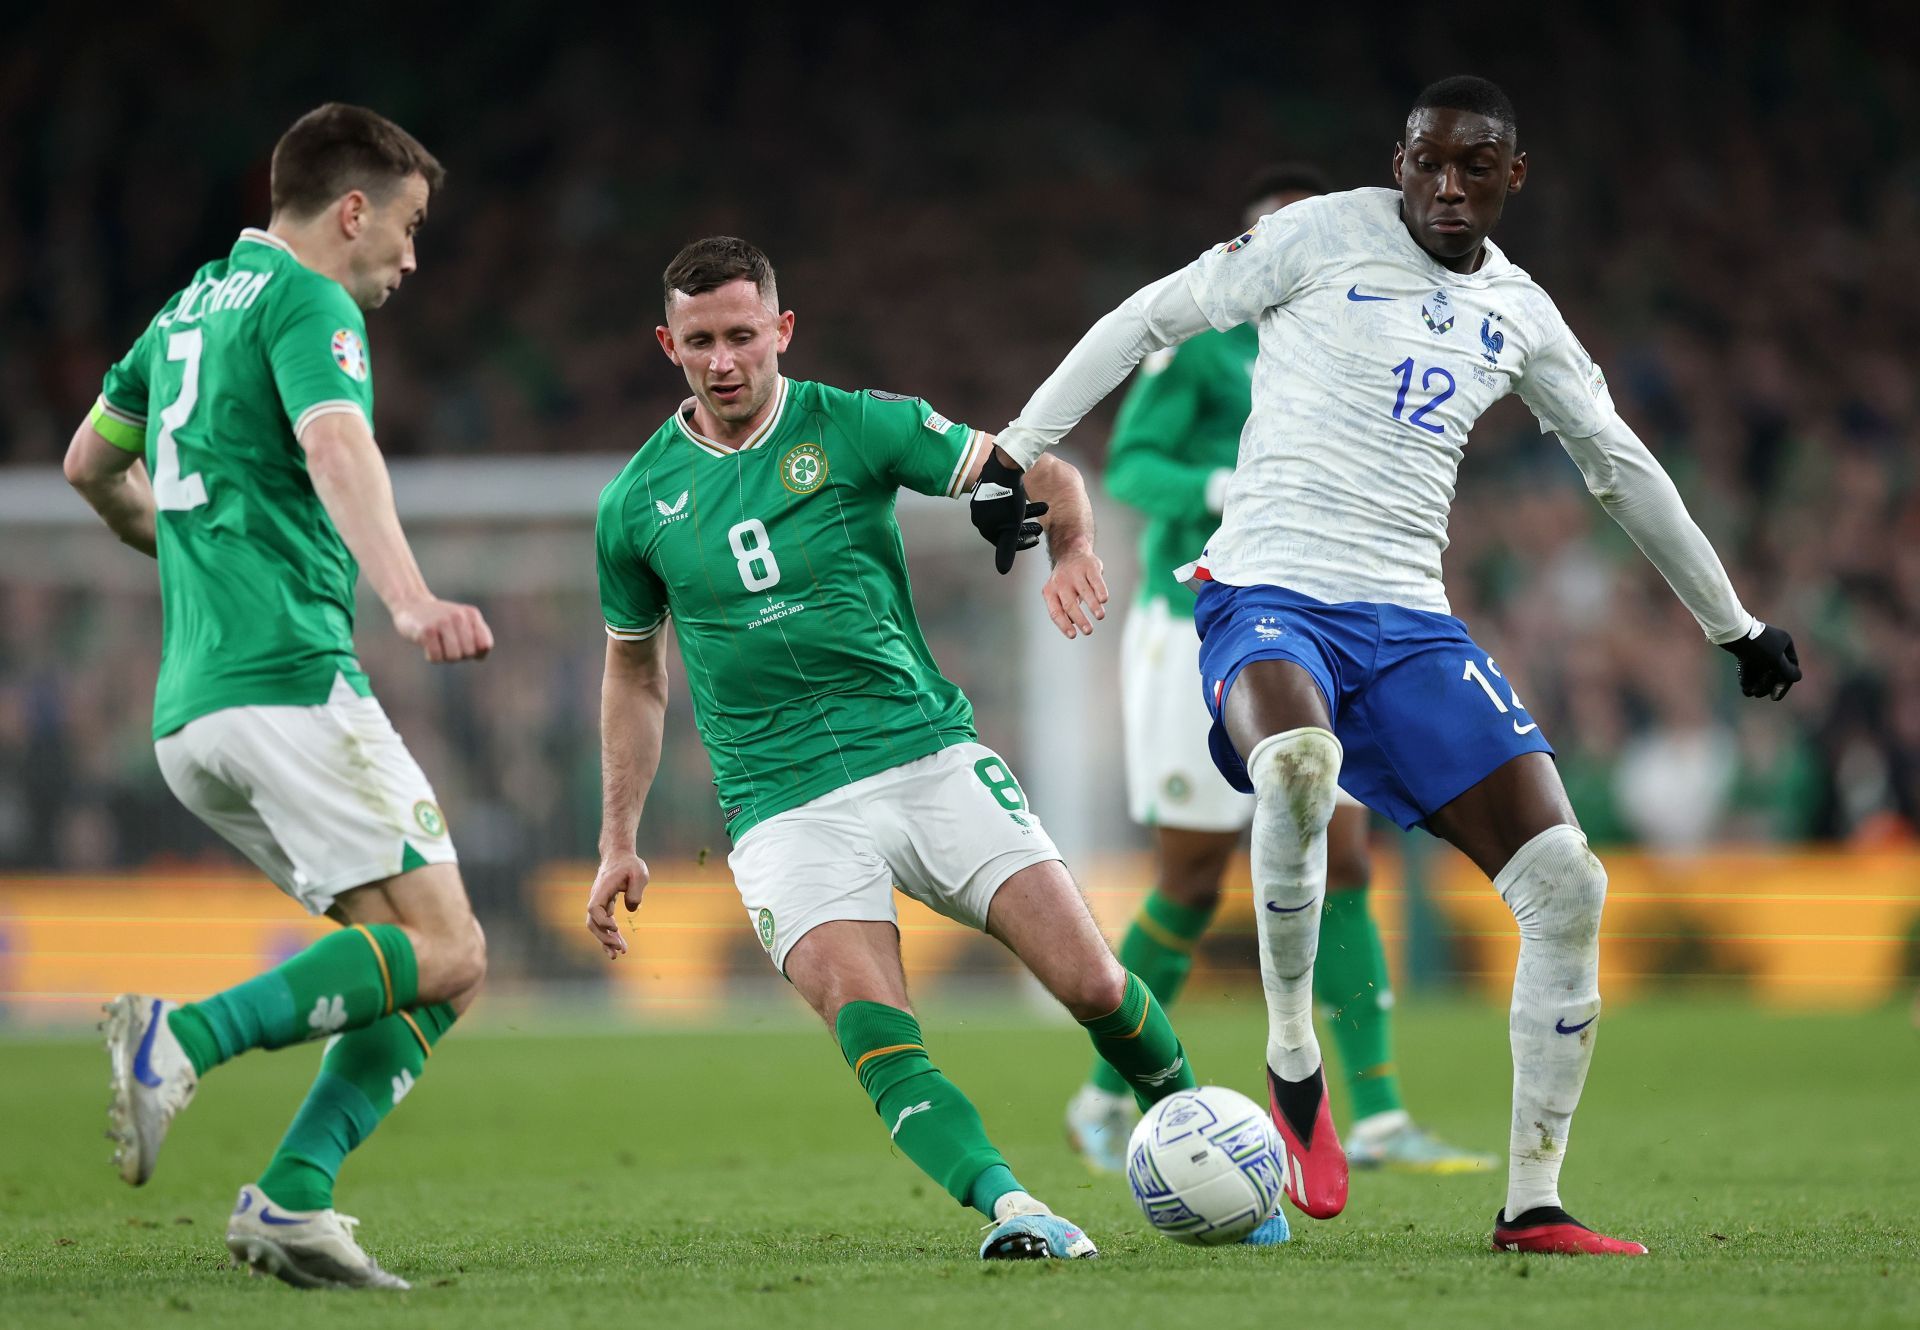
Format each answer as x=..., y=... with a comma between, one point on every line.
x=1205, y=1166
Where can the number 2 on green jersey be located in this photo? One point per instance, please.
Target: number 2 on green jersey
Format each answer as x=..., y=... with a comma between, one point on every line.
x=758, y=568
x=173, y=492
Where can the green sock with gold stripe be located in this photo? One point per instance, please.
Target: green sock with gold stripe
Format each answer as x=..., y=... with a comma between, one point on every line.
x=1350, y=980
x=1138, y=1041
x=1159, y=948
x=345, y=981
x=925, y=1113
x=364, y=1074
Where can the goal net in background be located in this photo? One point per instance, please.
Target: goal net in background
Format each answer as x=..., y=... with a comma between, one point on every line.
x=106, y=883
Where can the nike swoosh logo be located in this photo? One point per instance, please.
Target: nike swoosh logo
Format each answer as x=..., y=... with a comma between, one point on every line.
x=1353, y=293
x=1281, y=909
x=142, y=1059
x=1528, y=728
x=1561, y=1027
x=267, y=1216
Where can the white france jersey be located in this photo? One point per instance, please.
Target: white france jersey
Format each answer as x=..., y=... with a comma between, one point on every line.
x=1374, y=363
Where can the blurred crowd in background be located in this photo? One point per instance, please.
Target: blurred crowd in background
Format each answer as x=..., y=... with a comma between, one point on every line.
x=1724, y=204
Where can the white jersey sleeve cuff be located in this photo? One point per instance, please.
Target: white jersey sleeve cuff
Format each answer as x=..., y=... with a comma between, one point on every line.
x=338, y=407
x=619, y=634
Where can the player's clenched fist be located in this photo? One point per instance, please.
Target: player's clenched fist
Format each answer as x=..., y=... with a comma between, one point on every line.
x=624, y=875
x=445, y=630
x=1076, y=594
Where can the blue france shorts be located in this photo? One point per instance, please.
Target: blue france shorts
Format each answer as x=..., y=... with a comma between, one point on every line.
x=1422, y=713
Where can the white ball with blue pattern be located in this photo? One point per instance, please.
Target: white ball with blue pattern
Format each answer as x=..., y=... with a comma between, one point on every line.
x=1205, y=1166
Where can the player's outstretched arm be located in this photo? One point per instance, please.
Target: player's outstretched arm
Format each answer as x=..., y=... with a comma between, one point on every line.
x=350, y=476
x=114, y=483
x=1076, y=592
x=1638, y=494
x=1160, y=315
x=633, y=717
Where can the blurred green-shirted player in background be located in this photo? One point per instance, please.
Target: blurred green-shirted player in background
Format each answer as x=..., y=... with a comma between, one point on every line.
x=1174, y=444
x=760, y=518
x=234, y=443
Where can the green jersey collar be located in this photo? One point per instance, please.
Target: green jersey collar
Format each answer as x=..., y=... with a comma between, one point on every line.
x=754, y=440
x=255, y=235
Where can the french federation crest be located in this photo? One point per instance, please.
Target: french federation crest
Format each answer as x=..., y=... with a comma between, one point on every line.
x=1437, y=310
x=1492, y=341
x=350, y=354
x=804, y=469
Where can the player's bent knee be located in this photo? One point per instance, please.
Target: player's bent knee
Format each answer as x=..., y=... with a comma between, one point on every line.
x=476, y=956
x=1095, y=992
x=1300, y=769
x=1555, y=885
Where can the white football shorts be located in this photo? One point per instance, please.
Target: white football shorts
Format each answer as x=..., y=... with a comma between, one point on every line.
x=1171, y=779
x=948, y=829
x=321, y=799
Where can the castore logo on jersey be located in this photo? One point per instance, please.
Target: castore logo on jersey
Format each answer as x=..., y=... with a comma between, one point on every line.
x=672, y=512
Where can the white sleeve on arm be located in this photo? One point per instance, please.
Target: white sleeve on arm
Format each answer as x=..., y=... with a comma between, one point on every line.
x=1161, y=315
x=1638, y=494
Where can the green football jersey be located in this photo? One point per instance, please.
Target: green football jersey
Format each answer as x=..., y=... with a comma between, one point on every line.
x=1180, y=423
x=256, y=586
x=781, y=565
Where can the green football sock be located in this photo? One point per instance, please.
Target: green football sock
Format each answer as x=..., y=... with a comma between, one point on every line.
x=1138, y=1041
x=362, y=1077
x=1350, y=979
x=346, y=980
x=926, y=1114
x=1159, y=948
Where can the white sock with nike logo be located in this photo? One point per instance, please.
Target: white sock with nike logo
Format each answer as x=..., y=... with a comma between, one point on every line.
x=1295, y=775
x=1555, y=888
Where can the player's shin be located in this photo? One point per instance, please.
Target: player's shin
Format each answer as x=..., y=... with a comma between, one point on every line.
x=1137, y=1040
x=365, y=1074
x=346, y=980
x=1555, y=888
x=1350, y=981
x=1294, y=780
x=1159, y=948
x=926, y=1115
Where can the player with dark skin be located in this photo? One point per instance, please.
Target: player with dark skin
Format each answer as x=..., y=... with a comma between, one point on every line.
x=1455, y=169
x=1455, y=172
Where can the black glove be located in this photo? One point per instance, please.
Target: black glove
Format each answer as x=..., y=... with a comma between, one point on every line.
x=1768, y=663
x=1001, y=513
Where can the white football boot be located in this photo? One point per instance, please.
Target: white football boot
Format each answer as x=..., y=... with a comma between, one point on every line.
x=306, y=1248
x=152, y=1081
x=1098, y=1125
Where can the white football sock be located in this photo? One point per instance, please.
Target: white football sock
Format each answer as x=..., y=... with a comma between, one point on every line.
x=1295, y=775
x=1555, y=888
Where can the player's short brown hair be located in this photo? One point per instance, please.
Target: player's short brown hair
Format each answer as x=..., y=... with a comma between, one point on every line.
x=334, y=148
x=706, y=265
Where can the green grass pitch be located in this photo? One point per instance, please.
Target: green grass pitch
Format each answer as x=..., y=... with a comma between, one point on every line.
x=738, y=1177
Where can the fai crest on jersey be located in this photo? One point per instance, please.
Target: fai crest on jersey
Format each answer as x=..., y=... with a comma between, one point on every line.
x=350, y=354
x=804, y=469
x=427, y=814
x=1492, y=341
x=766, y=929
x=1437, y=310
